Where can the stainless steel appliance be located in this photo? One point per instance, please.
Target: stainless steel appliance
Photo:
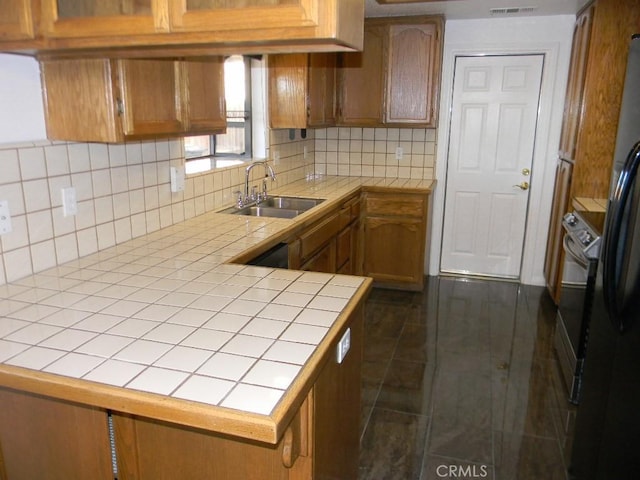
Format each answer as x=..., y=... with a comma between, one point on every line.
x=606, y=443
x=581, y=245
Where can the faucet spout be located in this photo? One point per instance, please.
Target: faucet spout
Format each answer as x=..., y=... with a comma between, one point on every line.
x=268, y=172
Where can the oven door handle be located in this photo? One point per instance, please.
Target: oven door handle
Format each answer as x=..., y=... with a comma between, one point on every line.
x=568, y=244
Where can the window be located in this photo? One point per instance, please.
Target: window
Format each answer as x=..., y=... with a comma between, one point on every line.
x=206, y=152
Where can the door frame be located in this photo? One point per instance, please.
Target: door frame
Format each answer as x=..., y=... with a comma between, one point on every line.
x=552, y=92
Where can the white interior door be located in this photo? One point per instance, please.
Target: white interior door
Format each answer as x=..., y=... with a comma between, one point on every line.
x=493, y=126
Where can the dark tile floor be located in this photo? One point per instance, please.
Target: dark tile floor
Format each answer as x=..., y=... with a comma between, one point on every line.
x=460, y=381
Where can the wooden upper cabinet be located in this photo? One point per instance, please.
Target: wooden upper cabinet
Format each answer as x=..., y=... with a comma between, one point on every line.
x=105, y=100
x=98, y=18
x=321, y=103
x=302, y=90
x=203, y=15
x=573, y=105
x=413, y=66
x=204, y=81
x=395, y=80
x=178, y=28
x=144, y=113
x=16, y=20
x=361, y=81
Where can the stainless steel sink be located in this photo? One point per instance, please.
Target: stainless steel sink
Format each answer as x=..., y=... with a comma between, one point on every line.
x=280, y=207
x=291, y=203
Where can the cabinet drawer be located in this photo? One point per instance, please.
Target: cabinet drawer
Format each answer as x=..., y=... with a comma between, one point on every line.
x=318, y=235
x=395, y=205
x=349, y=211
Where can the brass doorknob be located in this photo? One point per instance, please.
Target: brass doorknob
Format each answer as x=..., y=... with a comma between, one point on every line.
x=523, y=186
x=526, y=172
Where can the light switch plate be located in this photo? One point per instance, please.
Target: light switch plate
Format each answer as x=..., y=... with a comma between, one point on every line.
x=5, y=218
x=177, y=179
x=69, y=201
x=343, y=346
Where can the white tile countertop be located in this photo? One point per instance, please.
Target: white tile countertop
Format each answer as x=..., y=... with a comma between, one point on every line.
x=165, y=314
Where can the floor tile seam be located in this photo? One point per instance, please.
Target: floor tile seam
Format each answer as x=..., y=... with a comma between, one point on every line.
x=436, y=373
x=456, y=459
x=404, y=412
x=524, y=434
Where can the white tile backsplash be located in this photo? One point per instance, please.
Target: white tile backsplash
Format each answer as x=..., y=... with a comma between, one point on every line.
x=123, y=193
x=371, y=152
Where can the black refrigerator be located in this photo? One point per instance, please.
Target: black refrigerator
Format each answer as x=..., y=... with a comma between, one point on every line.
x=606, y=441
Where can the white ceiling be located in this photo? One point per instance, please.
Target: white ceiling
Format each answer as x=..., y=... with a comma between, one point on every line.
x=458, y=9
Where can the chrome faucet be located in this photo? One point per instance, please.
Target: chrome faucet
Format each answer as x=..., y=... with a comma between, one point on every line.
x=254, y=196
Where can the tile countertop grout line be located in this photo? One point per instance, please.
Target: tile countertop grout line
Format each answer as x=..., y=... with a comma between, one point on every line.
x=212, y=234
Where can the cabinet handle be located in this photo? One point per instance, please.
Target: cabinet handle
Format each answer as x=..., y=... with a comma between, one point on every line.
x=120, y=106
x=288, y=454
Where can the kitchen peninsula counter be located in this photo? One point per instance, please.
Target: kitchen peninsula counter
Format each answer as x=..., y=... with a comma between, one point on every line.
x=166, y=329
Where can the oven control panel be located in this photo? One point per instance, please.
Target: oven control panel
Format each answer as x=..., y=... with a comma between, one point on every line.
x=582, y=234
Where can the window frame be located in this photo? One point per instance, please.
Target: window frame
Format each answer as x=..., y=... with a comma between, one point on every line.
x=246, y=114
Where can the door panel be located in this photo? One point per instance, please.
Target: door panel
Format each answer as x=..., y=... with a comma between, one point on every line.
x=493, y=123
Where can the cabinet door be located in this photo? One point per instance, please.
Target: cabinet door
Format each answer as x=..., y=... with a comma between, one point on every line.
x=392, y=249
x=321, y=90
x=16, y=22
x=44, y=438
x=575, y=85
x=151, y=449
x=337, y=400
x=80, y=101
x=207, y=15
x=99, y=18
x=555, y=254
x=205, y=95
x=413, y=57
x=361, y=80
x=324, y=260
x=288, y=90
x=151, y=97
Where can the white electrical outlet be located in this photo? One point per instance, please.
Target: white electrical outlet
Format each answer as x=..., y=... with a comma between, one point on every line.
x=5, y=218
x=399, y=153
x=177, y=179
x=276, y=158
x=304, y=152
x=69, y=201
x=343, y=346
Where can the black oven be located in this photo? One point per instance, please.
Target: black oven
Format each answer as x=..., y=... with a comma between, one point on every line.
x=581, y=245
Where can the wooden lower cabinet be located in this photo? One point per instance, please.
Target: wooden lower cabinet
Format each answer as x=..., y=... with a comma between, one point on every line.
x=48, y=438
x=395, y=235
x=324, y=260
x=44, y=438
x=148, y=449
x=331, y=244
x=336, y=411
x=387, y=240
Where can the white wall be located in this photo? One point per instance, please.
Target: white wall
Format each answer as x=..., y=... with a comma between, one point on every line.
x=550, y=36
x=21, y=110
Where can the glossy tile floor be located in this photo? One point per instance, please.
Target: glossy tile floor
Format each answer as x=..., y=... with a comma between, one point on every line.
x=460, y=381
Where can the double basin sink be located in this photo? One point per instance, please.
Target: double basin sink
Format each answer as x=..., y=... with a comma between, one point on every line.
x=279, y=207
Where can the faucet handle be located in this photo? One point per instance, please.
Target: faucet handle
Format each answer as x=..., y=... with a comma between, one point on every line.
x=239, y=201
